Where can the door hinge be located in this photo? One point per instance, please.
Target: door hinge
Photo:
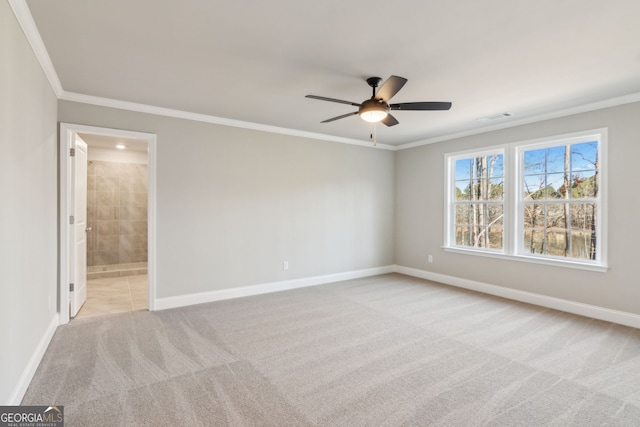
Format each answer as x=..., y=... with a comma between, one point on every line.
x=71, y=287
x=72, y=152
x=72, y=219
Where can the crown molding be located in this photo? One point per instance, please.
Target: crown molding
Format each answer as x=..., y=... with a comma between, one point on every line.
x=25, y=19
x=598, y=105
x=179, y=114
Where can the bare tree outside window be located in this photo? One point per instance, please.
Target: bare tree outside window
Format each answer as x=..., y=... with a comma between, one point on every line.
x=560, y=190
x=479, y=201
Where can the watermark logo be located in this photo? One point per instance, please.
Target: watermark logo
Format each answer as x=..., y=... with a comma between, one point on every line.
x=31, y=416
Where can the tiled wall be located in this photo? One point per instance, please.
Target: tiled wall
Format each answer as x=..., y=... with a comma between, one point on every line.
x=116, y=213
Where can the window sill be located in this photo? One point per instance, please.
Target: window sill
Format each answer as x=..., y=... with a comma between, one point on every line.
x=530, y=259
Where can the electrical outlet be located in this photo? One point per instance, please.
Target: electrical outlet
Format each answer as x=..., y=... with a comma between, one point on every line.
x=430, y=258
x=285, y=265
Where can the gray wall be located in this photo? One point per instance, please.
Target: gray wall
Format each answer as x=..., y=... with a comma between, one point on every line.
x=420, y=215
x=233, y=204
x=28, y=211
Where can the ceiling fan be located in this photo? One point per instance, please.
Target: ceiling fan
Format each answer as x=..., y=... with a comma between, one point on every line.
x=376, y=109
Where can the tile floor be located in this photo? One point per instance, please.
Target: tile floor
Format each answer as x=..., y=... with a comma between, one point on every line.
x=114, y=295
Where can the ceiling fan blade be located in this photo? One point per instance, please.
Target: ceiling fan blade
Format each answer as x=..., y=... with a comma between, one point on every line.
x=389, y=120
x=324, y=98
x=390, y=88
x=340, y=117
x=421, y=106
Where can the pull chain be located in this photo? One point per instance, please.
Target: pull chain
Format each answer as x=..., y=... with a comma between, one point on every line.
x=372, y=135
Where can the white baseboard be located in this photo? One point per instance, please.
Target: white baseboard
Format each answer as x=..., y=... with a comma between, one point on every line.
x=27, y=374
x=594, y=311
x=244, y=291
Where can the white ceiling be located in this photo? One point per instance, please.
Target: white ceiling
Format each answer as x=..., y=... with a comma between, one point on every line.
x=255, y=61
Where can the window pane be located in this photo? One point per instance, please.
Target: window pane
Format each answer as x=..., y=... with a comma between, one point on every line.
x=533, y=215
x=534, y=161
x=463, y=214
x=496, y=160
x=533, y=187
x=495, y=212
x=480, y=190
x=550, y=192
x=555, y=159
x=584, y=184
x=463, y=169
x=555, y=186
x=473, y=222
x=463, y=190
x=583, y=245
x=496, y=189
x=481, y=237
x=583, y=216
x=487, y=189
x=584, y=156
x=495, y=237
x=463, y=236
x=556, y=243
x=557, y=215
x=533, y=241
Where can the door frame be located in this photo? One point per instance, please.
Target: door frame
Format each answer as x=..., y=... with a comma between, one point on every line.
x=68, y=132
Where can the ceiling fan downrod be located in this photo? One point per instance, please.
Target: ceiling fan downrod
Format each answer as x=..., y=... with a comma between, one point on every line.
x=374, y=82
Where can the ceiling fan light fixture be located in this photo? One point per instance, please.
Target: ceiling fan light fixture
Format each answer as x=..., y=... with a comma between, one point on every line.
x=373, y=116
x=372, y=111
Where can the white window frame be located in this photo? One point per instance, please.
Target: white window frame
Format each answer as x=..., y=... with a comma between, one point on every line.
x=513, y=220
x=451, y=202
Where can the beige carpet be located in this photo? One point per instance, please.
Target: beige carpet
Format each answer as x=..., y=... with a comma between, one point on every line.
x=382, y=351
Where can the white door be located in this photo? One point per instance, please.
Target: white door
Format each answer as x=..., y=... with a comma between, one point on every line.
x=78, y=258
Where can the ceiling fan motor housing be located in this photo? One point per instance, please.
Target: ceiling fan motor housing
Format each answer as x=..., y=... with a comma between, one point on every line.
x=373, y=110
x=373, y=104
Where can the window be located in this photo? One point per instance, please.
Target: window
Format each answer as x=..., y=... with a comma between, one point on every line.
x=478, y=205
x=539, y=201
x=559, y=200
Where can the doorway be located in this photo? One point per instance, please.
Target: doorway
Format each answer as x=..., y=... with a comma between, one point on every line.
x=118, y=264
